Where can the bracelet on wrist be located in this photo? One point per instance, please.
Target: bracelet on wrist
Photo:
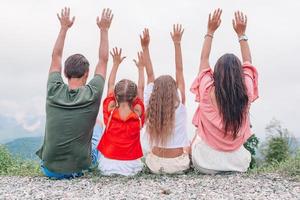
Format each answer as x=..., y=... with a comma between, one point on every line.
x=209, y=35
x=243, y=38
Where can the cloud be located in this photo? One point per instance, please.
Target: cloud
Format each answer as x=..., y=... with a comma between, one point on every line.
x=27, y=113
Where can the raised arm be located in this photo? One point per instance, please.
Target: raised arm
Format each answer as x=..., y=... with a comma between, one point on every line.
x=145, y=40
x=103, y=24
x=141, y=82
x=117, y=59
x=240, y=25
x=214, y=22
x=65, y=24
x=176, y=37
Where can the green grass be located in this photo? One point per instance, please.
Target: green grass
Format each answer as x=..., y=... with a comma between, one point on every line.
x=288, y=168
x=14, y=166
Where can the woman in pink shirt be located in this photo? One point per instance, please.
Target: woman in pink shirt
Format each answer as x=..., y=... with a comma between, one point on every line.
x=224, y=96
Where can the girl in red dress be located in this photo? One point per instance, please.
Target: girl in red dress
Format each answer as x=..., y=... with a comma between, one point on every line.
x=124, y=113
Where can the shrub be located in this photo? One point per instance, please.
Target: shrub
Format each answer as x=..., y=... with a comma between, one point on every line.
x=10, y=165
x=277, y=150
x=6, y=160
x=279, y=145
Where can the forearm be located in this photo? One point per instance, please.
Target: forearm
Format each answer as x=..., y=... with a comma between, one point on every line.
x=59, y=44
x=58, y=50
x=148, y=65
x=112, y=78
x=205, y=53
x=141, y=83
x=178, y=60
x=101, y=67
x=245, y=50
x=179, y=71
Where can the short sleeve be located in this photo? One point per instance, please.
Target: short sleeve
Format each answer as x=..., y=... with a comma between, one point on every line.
x=147, y=93
x=98, y=83
x=106, y=102
x=139, y=102
x=202, y=83
x=55, y=82
x=251, y=80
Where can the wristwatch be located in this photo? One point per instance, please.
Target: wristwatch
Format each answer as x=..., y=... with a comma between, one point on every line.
x=243, y=38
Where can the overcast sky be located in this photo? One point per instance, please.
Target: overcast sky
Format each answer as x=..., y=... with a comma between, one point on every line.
x=29, y=29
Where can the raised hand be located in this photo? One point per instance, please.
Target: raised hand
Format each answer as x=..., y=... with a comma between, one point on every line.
x=140, y=63
x=145, y=38
x=117, y=56
x=214, y=21
x=177, y=33
x=64, y=18
x=239, y=23
x=106, y=19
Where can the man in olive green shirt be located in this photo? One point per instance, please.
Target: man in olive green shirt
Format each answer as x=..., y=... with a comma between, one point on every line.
x=71, y=109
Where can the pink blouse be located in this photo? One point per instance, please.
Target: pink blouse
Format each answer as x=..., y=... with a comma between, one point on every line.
x=207, y=118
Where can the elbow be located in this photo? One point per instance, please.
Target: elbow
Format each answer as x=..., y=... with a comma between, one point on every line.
x=104, y=59
x=141, y=88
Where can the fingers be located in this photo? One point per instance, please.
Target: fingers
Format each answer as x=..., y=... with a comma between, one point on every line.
x=145, y=33
x=65, y=13
x=177, y=28
x=107, y=14
x=136, y=63
x=68, y=12
x=58, y=17
x=123, y=58
x=140, y=61
x=116, y=53
x=73, y=19
x=233, y=23
x=240, y=18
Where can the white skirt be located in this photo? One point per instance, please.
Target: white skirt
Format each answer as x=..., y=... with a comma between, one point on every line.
x=209, y=161
x=122, y=167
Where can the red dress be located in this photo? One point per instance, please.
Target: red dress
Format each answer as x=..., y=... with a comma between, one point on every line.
x=121, y=138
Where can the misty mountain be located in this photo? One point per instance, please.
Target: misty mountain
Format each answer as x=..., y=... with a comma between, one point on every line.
x=25, y=148
x=10, y=129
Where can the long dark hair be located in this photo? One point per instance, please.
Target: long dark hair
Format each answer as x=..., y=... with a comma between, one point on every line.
x=231, y=93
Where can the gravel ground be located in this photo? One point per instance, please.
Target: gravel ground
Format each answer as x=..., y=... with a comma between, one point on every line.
x=189, y=186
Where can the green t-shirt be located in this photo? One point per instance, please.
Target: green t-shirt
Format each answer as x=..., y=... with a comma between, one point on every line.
x=70, y=119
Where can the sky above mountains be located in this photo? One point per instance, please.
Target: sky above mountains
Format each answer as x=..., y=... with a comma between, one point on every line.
x=29, y=29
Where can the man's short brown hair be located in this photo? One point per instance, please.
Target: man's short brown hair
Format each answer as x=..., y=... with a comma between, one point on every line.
x=76, y=66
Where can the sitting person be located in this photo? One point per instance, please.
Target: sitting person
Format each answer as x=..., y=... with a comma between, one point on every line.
x=166, y=125
x=123, y=112
x=224, y=96
x=71, y=109
x=97, y=135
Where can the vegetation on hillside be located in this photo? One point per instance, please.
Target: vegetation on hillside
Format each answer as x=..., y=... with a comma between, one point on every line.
x=11, y=165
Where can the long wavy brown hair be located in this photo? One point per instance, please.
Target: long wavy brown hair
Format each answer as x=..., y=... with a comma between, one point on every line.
x=231, y=93
x=161, y=110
